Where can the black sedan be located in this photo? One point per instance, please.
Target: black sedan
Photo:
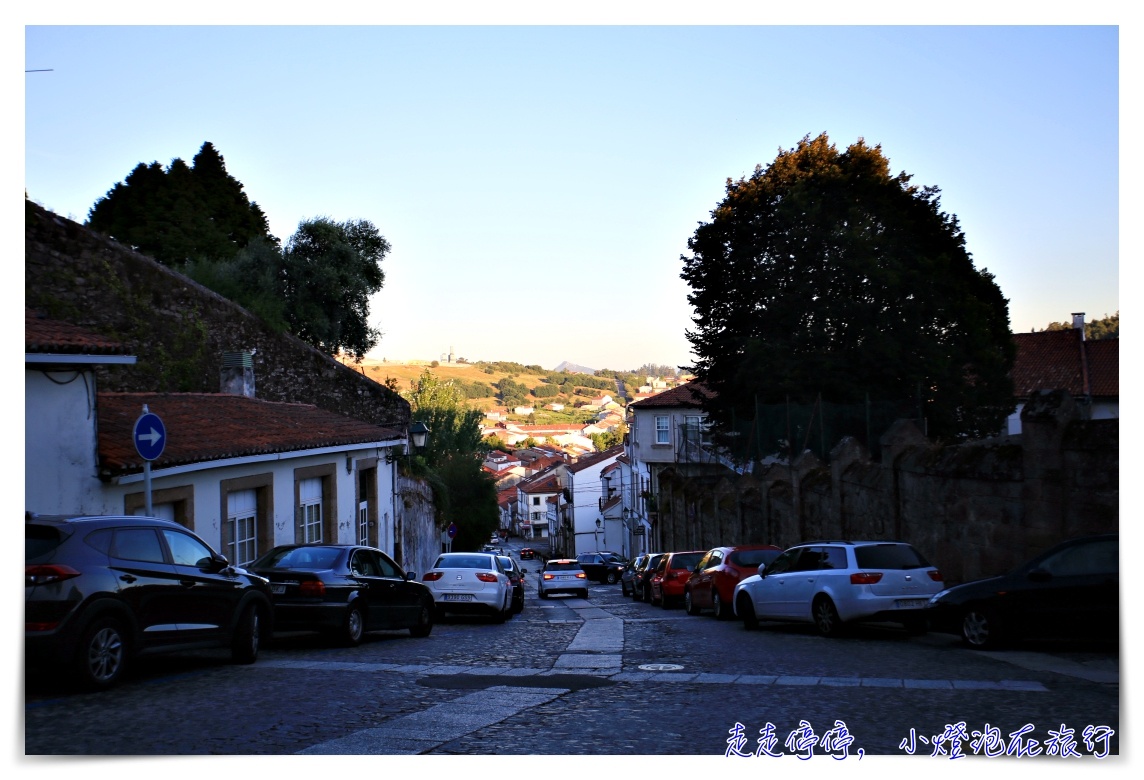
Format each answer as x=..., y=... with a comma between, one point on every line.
x=1069, y=592
x=516, y=577
x=343, y=591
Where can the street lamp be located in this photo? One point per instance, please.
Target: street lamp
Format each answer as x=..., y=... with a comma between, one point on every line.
x=596, y=533
x=418, y=432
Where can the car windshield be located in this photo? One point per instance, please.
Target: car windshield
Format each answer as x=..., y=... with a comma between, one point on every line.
x=465, y=562
x=889, y=556
x=298, y=558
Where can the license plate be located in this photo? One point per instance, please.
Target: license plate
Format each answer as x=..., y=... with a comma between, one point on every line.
x=458, y=597
x=912, y=603
x=277, y=588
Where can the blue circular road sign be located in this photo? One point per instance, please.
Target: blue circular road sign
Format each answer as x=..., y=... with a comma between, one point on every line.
x=452, y=530
x=150, y=436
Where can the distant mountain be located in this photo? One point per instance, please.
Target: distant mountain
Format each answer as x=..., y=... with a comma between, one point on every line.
x=572, y=368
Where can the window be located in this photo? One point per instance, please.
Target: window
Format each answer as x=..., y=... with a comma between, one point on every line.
x=692, y=430
x=662, y=431
x=137, y=544
x=316, y=505
x=242, y=526
x=186, y=550
x=247, y=506
x=311, y=508
x=536, y=500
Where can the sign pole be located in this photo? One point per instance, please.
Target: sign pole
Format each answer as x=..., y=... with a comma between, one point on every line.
x=147, y=487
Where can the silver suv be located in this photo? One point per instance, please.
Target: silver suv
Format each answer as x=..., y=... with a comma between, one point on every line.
x=833, y=583
x=563, y=575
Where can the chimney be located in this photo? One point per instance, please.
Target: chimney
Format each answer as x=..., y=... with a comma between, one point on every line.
x=237, y=374
x=1078, y=323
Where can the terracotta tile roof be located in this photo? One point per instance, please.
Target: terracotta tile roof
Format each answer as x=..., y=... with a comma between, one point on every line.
x=611, y=502
x=691, y=394
x=1051, y=360
x=213, y=426
x=590, y=460
x=546, y=484
x=43, y=335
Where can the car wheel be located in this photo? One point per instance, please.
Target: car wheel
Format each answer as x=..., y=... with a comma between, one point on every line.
x=584, y=593
x=247, y=636
x=689, y=604
x=720, y=606
x=612, y=578
x=651, y=598
x=424, y=622
x=543, y=595
x=352, y=627
x=101, y=658
x=826, y=618
x=637, y=592
x=747, y=612
x=979, y=629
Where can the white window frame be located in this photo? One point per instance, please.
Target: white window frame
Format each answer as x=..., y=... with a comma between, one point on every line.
x=310, y=506
x=242, y=517
x=662, y=429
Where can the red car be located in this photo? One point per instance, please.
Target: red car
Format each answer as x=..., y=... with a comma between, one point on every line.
x=713, y=582
x=671, y=575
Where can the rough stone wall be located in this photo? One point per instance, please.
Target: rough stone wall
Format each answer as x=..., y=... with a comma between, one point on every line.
x=974, y=509
x=416, y=515
x=178, y=329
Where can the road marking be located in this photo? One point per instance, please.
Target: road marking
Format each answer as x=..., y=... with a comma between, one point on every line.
x=422, y=731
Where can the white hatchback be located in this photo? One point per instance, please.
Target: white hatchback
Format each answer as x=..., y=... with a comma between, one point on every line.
x=833, y=583
x=470, y=583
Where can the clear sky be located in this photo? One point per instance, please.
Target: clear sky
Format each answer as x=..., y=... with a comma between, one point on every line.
x=538, y=184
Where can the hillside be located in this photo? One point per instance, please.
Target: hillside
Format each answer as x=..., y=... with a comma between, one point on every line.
x=482, y=380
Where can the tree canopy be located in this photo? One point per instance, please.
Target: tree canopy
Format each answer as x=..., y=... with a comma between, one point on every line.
x=329, y=271
x=451, y=459
x=824, y=275
x=183, y=213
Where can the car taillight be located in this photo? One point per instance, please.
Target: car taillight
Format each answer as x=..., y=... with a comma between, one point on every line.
x=486, y=576
x=865, y=577
x=45, y=574
x=581, y=575
x=934, y=575
x=312, y=588
x=432, y=576
x=548, y=576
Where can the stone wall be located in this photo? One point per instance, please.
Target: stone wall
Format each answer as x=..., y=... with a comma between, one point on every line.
x=178, y=329
x=974, y=509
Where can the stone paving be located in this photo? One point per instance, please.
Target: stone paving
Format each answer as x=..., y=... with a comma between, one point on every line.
x=565, y=677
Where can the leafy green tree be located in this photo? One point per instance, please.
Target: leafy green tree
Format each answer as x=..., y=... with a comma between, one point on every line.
x=329, y=271
x=826, y=274
x=1094, y=330
x=183, y=213
x=251, y=279
x=451, y=459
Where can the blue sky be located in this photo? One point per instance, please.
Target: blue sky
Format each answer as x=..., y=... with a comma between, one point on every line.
x=539, y=183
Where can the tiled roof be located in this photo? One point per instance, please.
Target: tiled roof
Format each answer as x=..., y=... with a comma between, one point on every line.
x=691, y=394
x=590, y=460
x=546, y=484
x=1051, y=360
x=43, y=335
x=204, y=427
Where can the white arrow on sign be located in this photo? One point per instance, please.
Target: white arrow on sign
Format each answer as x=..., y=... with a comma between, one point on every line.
x=151, y=437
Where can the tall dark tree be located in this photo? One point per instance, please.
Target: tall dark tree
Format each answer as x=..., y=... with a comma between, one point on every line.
x=181, y=214
x=825, y=274
x=329, y=271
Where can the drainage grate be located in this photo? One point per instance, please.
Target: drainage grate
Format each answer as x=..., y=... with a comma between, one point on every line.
x=660, y=667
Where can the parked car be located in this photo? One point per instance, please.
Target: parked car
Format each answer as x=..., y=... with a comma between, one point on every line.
x=100, y=591
x=516, y=579
x=831, y=584
x=712, y=584
x=641, y=577
x=470, y=583
x=343, y=591
x=562, y=575
x=629, y=573
x=671, y=575
x=602, y=566
x=1068, y=592
x=527, y=553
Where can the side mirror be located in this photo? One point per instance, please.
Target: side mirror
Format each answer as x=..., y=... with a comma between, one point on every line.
x=410, y=575
x=762, y=570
